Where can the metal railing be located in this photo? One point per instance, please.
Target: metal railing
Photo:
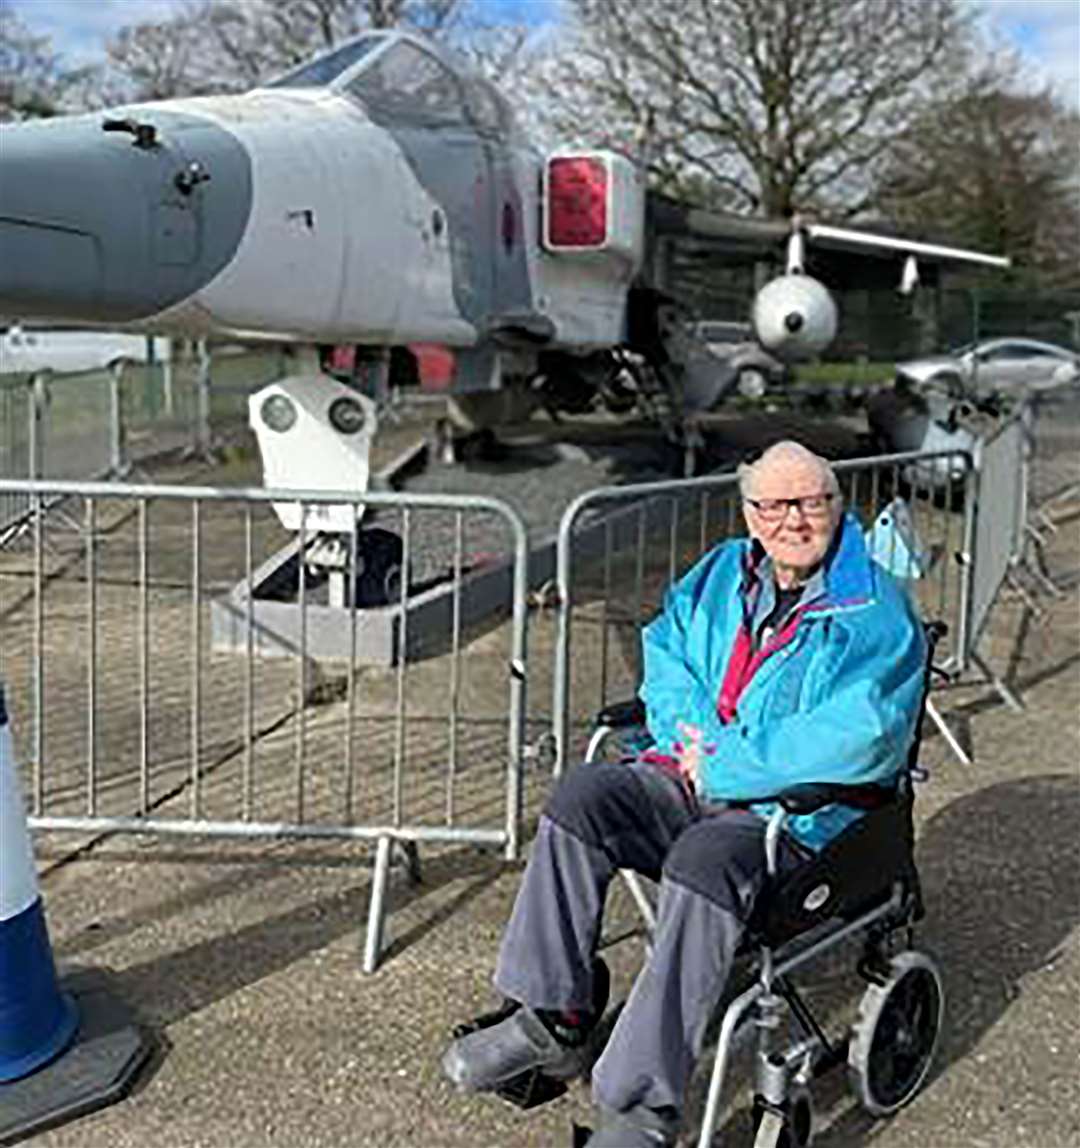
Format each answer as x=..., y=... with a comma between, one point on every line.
x=613, y=567
x=100, y=424
x=1000, y=517
x=130, y=720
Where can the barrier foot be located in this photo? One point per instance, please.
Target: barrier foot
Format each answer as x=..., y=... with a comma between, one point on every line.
x=410, y=854
x=96, y=1070
x=377, y=907
x=1003, y=691
x=950, y=738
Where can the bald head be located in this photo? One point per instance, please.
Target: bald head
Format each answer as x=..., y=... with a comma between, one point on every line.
x=792, y=506
x=783, y=460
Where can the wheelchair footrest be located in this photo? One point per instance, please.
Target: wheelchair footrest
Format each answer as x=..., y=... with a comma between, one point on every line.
x=530, y=1089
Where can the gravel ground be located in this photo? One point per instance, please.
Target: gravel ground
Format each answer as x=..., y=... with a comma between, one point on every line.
x=240, y=958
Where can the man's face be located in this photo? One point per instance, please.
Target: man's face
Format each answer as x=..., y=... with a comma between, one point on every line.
x=796, y=537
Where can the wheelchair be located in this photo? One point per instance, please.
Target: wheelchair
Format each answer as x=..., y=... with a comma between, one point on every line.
x=862, y=885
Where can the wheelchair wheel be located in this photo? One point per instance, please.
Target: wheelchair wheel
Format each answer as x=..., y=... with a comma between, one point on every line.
x=896, y=1033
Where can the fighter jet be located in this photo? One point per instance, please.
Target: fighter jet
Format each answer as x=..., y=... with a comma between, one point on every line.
x=382, y=194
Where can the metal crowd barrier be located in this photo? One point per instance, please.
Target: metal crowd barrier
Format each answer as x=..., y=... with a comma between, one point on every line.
x=613, y=568
x=15, y=439
x=1000, y=517
x=130, y=721
x=100, y=424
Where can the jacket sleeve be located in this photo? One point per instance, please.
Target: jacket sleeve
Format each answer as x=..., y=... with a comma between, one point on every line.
x=671, y=688
x=858, y=732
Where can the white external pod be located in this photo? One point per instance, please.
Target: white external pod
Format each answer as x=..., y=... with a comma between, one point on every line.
x=794, y=317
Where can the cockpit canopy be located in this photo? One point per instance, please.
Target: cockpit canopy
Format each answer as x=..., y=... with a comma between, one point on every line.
x=400, y=79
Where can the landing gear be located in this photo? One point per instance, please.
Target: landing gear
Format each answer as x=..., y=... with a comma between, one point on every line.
x=894, y=1038
x=378, y=567
x=377, y=578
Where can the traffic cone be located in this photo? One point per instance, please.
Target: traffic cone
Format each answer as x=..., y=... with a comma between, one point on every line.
x=62, y=1053
x=37, y=1021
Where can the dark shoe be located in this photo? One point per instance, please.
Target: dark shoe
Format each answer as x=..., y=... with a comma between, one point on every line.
x=482, y=1060
x=502, y=1046
x=639, y=1127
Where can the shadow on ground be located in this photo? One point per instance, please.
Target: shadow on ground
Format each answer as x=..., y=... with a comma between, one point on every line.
x=177, y=984
x=1001, y=879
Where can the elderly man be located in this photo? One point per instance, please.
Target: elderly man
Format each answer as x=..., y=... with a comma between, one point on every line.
x=784, y=658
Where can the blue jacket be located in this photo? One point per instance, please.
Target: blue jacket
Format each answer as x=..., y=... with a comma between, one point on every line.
x=838, y=702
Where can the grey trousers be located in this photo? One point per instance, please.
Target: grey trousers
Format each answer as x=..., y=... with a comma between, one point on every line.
x=710, y=862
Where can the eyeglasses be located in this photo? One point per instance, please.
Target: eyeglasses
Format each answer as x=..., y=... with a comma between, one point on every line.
x=775, y=509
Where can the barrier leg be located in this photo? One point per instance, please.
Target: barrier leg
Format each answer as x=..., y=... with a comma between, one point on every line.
x=410, y=855
x=946, y=733
x=377, y=906
x=62, y=1053
x=1006, y=695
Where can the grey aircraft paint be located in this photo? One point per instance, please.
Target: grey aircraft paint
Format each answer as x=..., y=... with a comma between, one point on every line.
x=101, y=226
x=459, y=152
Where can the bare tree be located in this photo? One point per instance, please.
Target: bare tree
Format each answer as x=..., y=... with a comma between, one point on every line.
x=34, y=81
x=773, y=105
x=994, y=164
x=30, y=75
x=231, y=45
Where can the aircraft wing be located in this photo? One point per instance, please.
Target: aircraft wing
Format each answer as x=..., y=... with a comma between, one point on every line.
x=843, y=257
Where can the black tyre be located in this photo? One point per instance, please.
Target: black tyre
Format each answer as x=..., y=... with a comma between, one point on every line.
x=379, y=555
x=896, y=1034
x=752, y=383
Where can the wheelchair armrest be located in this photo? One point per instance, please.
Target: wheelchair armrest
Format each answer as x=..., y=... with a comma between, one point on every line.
x=813, y=795
x=619, y=715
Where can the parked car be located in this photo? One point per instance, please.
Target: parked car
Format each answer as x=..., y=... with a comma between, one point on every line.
x=26, y=350
x=755, y=369
x=998, y=365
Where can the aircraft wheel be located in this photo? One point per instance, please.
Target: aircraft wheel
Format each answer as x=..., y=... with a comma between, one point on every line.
x=751, y=383
x=379, y=555
x=896, y=1033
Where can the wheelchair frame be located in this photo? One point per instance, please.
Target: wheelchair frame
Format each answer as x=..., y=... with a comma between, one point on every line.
x=783, y=1110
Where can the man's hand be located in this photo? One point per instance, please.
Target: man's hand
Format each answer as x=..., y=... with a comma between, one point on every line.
x=688, y=752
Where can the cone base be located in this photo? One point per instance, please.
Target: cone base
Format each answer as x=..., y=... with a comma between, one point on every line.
x=96, y=1070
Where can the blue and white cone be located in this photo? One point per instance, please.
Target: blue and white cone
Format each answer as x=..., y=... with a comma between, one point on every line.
x=37, y=1021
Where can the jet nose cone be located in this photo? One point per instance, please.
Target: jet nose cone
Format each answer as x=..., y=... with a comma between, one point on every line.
x=115, y=225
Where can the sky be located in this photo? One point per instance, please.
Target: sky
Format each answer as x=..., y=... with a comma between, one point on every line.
x=1046, y=32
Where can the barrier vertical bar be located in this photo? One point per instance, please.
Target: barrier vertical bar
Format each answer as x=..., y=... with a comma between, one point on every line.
x=402, y=660
x=91, y=662
x=518, y=688
x=144, y=663
x=39, y=659
x=196, y=652
x=455, y=667
x=116, y=421
x=301, y=661
x=249, y=665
